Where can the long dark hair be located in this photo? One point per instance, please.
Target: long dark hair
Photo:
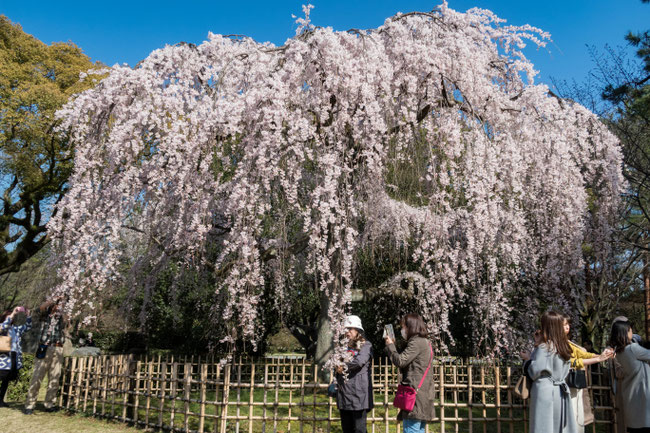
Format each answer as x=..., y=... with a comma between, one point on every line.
x=619, y=337
x=414, y=325
x=552, y=327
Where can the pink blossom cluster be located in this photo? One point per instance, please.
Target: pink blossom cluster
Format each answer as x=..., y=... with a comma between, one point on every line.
x=249, y=147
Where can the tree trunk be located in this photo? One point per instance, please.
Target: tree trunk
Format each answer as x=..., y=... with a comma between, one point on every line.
x=324, y=345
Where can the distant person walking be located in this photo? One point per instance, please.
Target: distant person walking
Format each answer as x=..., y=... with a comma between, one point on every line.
x=49, y=356
x=415, y=369
x=12, y=361
x=354, y=397
x=634, y=385
x=617, y=375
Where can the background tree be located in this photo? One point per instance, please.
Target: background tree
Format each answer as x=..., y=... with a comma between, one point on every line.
x=629, y=92
x=617, y=90
x=35, y=159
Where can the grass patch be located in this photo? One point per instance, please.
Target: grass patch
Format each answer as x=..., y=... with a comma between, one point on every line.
x=13, y=420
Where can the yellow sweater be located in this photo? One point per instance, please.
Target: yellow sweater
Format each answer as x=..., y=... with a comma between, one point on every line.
x=577, y=355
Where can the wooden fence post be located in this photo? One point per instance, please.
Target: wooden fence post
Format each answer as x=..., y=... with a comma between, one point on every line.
x=162, y=374
x=203, y=378
x=136, y=391
x=187, y=394
x=225, y=398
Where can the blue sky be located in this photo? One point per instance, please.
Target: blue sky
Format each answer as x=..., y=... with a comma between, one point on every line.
x=127, y=31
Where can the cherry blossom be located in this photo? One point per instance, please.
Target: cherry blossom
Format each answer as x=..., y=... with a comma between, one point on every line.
x=427, y=133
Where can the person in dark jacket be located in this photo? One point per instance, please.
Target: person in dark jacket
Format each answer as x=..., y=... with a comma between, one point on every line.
x=634, y=386
x=413, y=363
x=12, y=361
x=354, y=397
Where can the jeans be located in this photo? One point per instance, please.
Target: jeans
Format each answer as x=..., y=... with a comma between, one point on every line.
x=413, y=425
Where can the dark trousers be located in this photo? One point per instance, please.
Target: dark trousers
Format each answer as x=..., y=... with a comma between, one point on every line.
x=353, y=421
x=4, y=377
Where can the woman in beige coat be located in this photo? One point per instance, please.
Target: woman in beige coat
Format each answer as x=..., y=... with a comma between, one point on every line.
x=413, y=363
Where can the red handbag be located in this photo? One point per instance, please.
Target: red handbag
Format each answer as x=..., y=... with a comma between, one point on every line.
x=405, y=395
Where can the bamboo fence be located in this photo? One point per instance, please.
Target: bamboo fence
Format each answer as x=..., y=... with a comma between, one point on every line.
x=284, y=394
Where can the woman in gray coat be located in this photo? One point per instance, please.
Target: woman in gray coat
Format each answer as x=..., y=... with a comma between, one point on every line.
x=548, y=367
x=354, y=397
x=413, y=363
x=634, y=386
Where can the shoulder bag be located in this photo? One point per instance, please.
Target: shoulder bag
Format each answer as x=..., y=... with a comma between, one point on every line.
x=522, y=388
x=576, y=379
x=5, y=343
x=524, y=384
x=405, y=395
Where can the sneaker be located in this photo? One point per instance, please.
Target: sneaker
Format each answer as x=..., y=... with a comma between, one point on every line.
x=51, y=409
x=28, y=411
x=3, y=404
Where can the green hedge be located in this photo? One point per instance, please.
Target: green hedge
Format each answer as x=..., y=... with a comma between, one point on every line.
x=115, y=341
x=18, y=389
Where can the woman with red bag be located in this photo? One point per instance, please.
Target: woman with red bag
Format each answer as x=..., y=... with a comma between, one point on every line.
x=415, y=364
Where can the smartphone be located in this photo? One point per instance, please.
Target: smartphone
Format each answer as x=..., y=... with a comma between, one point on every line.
x=389, y=332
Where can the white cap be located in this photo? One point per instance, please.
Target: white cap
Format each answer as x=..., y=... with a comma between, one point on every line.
x=353, y=322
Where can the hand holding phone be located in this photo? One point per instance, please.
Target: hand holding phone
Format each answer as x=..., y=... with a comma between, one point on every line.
x=389, y=332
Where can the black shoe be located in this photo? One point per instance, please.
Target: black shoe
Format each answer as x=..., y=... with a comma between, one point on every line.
x=3, y=404
x=51, y=409
x=28, y=411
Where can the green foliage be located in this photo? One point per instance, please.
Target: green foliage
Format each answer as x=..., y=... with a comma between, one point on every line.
x=25, y=287
x=35, y=160
x=118, y=342
x=406, y=176
x=383, y=309
x=284, y=342
x=17, y=390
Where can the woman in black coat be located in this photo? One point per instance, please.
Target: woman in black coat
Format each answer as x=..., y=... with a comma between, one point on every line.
x=354, y=397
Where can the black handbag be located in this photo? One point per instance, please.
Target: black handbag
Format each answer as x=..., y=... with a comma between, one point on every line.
x=576, y=379
x=41, y=352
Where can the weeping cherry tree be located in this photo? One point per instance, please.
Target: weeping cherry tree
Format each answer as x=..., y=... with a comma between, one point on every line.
x=426, y=135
